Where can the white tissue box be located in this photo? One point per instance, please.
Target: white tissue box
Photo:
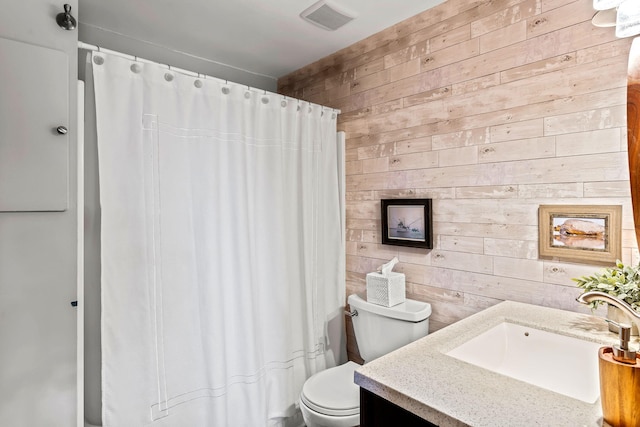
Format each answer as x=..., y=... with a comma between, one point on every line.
x=386, y=290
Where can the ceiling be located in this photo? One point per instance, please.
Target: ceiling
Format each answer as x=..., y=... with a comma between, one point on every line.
x=265, y=37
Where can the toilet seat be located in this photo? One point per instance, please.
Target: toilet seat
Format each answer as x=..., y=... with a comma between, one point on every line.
x=333, y=392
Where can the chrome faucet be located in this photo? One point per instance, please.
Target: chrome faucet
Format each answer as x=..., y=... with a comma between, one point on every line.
x=588, y=297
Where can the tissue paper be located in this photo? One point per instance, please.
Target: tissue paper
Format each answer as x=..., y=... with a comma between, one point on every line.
x=385, y=269
x=386, y=287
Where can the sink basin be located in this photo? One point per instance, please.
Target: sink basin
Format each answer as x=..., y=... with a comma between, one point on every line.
x=559, y=363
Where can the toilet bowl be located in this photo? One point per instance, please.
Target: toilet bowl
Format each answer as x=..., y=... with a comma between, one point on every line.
x=330, y=398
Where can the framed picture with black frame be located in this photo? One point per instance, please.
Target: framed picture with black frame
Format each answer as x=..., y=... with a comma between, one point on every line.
x=407, y=222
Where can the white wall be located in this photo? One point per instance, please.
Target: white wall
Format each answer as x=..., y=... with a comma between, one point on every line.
x=92, y=271
x=38, y=260
x=122, y=43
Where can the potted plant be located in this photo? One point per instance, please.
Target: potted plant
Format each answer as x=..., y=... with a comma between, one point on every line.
x=622, y=282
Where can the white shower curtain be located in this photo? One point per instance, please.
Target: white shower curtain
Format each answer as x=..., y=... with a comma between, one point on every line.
x=221, y=247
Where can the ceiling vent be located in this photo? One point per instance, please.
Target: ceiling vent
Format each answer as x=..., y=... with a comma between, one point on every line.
x=327, y=16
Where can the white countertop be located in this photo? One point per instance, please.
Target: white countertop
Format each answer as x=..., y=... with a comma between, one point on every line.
x=422, y=379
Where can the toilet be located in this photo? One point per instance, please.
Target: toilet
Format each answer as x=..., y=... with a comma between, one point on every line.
x=330, y=398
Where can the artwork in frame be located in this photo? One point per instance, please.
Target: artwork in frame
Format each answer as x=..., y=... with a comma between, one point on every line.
x=407, y=222
x=580, y=233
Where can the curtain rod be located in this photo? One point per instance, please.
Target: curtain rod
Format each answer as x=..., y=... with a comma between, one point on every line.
x=87, y=46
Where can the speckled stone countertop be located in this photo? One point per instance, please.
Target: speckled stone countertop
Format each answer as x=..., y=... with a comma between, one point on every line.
x=422, y=379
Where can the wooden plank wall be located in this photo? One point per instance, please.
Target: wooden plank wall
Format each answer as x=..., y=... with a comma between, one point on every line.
x=491, y=108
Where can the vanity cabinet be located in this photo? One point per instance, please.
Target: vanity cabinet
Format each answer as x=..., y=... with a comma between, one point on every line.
x=376, y=411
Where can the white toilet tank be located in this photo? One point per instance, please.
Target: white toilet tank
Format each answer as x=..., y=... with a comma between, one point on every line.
x=380, y=330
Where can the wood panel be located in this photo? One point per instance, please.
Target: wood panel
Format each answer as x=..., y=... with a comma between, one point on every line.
x=490, y=109
x=633, y=129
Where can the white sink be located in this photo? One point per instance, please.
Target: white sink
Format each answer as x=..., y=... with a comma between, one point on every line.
x=554, y=362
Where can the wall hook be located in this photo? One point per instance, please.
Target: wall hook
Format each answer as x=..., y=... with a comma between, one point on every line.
x=65, y=20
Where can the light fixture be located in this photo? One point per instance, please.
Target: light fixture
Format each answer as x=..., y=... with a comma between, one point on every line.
x=628, y=20
x=623, y=14
x=605, y=18
x=606, y=4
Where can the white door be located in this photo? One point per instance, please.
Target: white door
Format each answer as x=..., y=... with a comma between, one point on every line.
x=38, y=223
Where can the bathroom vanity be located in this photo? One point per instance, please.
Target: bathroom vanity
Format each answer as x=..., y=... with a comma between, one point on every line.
x=421, y=385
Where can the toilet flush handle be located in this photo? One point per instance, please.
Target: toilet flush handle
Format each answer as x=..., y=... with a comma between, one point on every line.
x=353, y=313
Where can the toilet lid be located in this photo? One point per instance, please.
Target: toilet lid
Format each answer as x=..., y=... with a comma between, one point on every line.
x=333, y=392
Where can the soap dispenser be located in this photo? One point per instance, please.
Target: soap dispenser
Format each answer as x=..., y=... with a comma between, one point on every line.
x=620, y=382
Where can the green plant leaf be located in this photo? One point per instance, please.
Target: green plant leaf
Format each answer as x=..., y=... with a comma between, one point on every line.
x=621, y=281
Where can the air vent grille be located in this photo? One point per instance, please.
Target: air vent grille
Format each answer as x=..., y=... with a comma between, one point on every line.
x=326, y=16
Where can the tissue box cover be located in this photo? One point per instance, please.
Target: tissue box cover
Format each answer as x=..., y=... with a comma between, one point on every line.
x=386, y=290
